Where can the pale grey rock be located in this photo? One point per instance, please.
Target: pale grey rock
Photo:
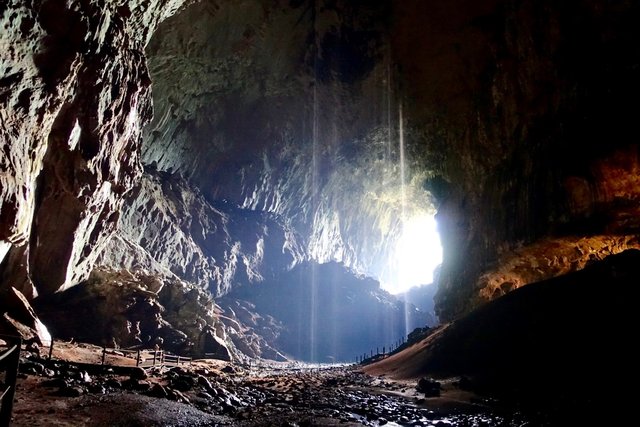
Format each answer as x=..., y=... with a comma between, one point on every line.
x=74, y=94
x=167, y=228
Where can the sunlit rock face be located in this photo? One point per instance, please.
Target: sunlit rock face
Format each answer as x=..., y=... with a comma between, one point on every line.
x=291, y=109
x=74, y=94
x=169, y=229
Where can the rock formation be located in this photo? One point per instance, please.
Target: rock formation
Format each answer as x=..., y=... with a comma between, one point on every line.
x=169, y=229
x=74, y=95
x=19, y=319
x=121, y=309
x=526, y=110
x=276, y=139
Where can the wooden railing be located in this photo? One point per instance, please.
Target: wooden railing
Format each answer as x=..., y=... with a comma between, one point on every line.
x=9, y=360
x=142, y=358
x=151, y=358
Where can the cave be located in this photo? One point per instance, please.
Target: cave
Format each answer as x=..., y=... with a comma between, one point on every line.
x=393, y=190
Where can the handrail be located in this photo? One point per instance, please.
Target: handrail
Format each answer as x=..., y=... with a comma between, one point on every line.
x=7, y=353
x=145, y=358
x=9, y=361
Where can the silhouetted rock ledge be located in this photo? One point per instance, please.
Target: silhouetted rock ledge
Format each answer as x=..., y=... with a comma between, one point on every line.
x=552, y=346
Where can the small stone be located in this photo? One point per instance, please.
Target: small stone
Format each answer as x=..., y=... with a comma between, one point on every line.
x=204, y=383
x=84, y=377
x=229, y=369
x=204, y=395
x=429, y=387
x=157, y=391
x=138, y=373
x=97, y=389
x=182, y=384
x=74, y=391
x=113, y=383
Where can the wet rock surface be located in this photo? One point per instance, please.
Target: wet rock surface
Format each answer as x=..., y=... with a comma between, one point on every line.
x=207, y=393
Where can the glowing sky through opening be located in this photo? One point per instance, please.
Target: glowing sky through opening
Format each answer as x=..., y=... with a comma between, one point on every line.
x=417, y=254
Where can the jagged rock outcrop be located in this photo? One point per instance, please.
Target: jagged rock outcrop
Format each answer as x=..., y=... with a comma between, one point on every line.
x=168, y=228
x=74, y=94
x=19, y=320
x=121, y=309
x=253, y=334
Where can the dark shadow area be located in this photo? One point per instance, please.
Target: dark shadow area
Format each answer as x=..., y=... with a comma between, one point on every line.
x=562, y=348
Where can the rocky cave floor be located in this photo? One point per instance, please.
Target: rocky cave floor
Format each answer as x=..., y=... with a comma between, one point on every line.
x=209, y=392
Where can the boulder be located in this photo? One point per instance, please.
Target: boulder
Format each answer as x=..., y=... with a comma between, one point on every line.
x=429, y=387
x=19, y=319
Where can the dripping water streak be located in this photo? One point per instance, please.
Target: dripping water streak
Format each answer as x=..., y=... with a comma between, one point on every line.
x=403, y=202
x=403, y=194
x=389, y=136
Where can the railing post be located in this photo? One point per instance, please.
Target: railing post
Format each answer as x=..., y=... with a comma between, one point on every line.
x=11, y=376
x=104, y=354
x=155, y=352
x=178, y=361
x=51, y=349
x=138, y=358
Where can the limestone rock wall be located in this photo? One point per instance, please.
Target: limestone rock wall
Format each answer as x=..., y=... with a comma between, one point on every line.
x=74, y=94
x=169, y=229
x=519, y=120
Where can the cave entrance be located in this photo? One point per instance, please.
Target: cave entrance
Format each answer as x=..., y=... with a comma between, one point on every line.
x=417, y=254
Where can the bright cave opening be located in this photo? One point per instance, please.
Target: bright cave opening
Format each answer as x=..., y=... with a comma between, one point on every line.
x=418, y=253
